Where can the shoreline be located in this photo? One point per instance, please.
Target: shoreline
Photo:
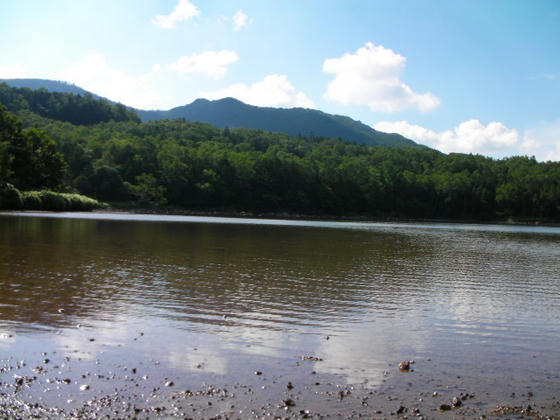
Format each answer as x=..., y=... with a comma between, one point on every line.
x=65, y=387
x=171, y=211
x=326, y=218
x=289, y=217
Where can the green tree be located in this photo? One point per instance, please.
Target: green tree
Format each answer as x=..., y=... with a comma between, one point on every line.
x=147, y=190
x=29, y=158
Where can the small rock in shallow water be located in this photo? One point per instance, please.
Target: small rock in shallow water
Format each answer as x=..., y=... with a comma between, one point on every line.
x=445, y=407
x=84, y=387
x=169, y=383
x=404, y=365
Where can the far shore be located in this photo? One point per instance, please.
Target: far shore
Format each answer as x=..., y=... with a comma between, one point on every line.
x=315, y=217
x=293, y=216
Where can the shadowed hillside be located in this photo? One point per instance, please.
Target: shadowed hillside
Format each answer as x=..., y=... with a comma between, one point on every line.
x=232, y=113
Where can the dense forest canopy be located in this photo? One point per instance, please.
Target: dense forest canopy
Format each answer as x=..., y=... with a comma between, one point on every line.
x=198, y=166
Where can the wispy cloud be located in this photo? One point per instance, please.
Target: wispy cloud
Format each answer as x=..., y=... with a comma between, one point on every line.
x=184, y=10
x=545, y=76
x=95, y=74
x=371, y=76
x=274, y=90
x=240, y=19
x=213, y=63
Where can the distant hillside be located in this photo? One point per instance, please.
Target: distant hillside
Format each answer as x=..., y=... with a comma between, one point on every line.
x=232, y=113
x=81, y=109
x=50, y=85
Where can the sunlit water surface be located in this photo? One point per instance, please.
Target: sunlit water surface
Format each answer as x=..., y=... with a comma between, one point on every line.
x=208, y=299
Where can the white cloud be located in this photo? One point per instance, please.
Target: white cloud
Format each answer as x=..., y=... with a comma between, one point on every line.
x=468, y=137
x=184, y=10
x=274, y=90
x=240, y=19
x=495, y=139
x=213, y=63
x=371, y=77
x=544, y=140
x=13, y=71
x=94, y=74
x=554, y=155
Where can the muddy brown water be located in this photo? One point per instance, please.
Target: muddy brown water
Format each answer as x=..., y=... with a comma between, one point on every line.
x=172, y=316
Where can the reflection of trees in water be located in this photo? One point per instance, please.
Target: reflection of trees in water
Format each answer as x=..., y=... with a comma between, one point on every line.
x=265, y=276
x=200, y=271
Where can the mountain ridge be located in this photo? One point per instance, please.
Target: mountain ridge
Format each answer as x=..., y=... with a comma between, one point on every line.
x=51, y=86
x=233, y=113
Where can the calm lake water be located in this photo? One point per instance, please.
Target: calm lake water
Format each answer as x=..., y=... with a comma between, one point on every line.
x=197, y=300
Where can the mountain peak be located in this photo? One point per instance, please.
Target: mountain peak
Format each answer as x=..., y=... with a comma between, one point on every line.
x=221, y=101
x=233, y=113
x=230, y=100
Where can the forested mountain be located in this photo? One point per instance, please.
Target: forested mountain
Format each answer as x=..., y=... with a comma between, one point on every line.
x=50, y=85
x=77, y=109
x=198, y=166
x=230, y=112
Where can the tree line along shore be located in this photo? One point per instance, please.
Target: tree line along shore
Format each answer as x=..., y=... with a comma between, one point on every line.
x=52, y=157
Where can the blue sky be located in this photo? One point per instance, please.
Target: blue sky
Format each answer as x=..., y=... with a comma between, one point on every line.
x=460, y=76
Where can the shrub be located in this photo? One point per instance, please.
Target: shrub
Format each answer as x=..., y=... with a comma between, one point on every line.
x=10, y=197
x=53, y=201
x=81, y=202
x=32, y=200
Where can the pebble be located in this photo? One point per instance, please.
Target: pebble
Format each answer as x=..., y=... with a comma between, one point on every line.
x=404, y=365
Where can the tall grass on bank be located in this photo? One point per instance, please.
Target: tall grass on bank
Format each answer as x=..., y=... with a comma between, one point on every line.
x=13, y=199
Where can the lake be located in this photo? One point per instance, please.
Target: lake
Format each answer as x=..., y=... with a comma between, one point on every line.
x=176, y=316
